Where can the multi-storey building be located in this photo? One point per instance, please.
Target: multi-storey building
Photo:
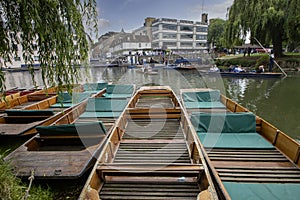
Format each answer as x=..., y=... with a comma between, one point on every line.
x=179, y=35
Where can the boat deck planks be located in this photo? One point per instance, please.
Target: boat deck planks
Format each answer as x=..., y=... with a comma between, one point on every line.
x=148, y=155
x=253, y=166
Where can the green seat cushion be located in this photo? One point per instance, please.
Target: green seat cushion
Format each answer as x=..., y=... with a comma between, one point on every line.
x=12, y=112
x=63, y=105
x=119, y=89
x=224, y=122
x=105, y=104
x=100, y=114
x=112, y=96
x=204, y=105
x=92, y=128
x=264, y=191
x=204, y=96
x=64, y=97
x=95, y=87
x=234, y=140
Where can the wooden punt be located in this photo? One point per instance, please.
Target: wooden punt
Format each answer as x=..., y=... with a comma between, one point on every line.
x=263, y=164
x=26, y=112
x=69, y=146
x=151, y=154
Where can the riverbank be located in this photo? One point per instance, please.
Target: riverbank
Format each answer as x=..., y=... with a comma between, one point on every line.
x=289, y=62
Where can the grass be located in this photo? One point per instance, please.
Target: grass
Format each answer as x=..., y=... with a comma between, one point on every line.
x=288, y=60
x=12, y=188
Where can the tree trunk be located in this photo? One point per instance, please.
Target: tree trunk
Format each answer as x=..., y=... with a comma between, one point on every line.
x=277, y=43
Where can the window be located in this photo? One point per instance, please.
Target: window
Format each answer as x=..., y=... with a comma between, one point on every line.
x=155, y=28
x=169, y=36
x=186, y=36
x=186, y=44
x=170, y=44
x=155, y=36
x=170, y=27
x=186, y=28
x=201, y=29
x=201, y=37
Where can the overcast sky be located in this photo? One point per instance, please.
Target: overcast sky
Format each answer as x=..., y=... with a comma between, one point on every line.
x=130, y=14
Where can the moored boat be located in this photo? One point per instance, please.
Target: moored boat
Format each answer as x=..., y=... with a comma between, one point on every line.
x=21, y=115
x=151, y=153
x=248, y=157
x=69, y=147
x=247, y=74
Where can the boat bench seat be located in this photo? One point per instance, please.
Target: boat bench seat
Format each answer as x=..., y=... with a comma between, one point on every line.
x=72, y=130
x=28, y=113
x=65, y=100
x=100, y=114
x=266, y=191
x=202, y=100
x=228, y=130
x=119, y=91
x=172, y=170
x=234, y=140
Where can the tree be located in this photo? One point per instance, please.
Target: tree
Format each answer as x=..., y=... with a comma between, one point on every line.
x=263, y=19
x=293, y=24
x=57, y=27
x=215, y=34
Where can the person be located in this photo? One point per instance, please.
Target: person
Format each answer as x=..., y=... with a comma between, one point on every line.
x=271, y=61
x=249, y=51
x=260, y=69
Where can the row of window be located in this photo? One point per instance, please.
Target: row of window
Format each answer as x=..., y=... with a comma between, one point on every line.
x=174, y=27
x=182, y=44
x=182, y=36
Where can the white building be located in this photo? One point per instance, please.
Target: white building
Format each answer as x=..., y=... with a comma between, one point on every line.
x=179, y=35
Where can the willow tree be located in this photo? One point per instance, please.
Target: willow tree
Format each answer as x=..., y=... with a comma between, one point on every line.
x=263, y=19
x=215, y=35
x=293, y=24
x=59, y=29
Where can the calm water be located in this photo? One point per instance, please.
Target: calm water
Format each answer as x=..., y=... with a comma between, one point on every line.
x=275, y=100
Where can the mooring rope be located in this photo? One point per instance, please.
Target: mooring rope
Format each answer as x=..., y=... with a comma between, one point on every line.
x=31, y=178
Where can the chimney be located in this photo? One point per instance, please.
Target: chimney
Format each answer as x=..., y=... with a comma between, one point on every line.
x=204, y=18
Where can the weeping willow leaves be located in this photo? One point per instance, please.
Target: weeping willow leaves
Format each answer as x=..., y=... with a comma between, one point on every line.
x=264, y=19
x=56, y=29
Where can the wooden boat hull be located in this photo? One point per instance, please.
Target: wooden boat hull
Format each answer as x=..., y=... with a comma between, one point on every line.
x=269, y=161
x=70, y=146
x=151, y=148
x=247, y=74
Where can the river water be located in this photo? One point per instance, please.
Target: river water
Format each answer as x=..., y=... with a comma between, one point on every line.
x=275, y=100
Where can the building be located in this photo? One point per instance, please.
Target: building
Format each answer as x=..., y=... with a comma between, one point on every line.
x=179, y=35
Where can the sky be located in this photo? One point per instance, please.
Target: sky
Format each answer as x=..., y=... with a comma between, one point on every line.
x=130, y=14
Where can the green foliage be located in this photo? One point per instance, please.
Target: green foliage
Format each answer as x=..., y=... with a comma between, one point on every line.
x=216, y=32
x=263, y=60
x=12, y=188
x=264, y=20
x=56, y=27
x=244, y=62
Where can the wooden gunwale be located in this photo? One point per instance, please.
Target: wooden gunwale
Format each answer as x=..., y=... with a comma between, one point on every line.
x=280, y=165
x=71, y=162
x=142, y=159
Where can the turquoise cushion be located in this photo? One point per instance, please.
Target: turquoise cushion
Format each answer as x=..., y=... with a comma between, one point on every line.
x=72, y=129
x=224, y=122
x=264, y=191
x=119, y=89
x=205, y=96
x=64, y=97
x=12, y=112
x=112, y=96
x=204, y=105
x=105, y=104
x=100, y=115
x=234, y=140
x=62, y=105
x=95, y=87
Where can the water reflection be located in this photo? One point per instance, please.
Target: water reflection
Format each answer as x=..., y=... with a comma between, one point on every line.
x=275, y=100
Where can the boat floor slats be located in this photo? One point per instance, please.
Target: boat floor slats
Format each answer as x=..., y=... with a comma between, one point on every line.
x=149, y=190
x=260, y=180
